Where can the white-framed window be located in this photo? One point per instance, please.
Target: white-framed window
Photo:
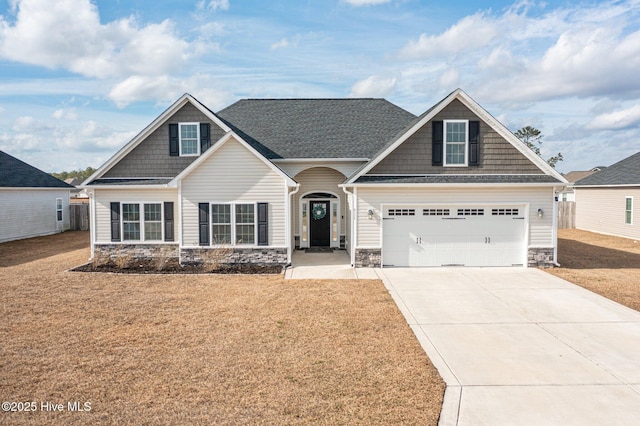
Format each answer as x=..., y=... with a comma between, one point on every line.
x=58, y=209
x=130, y=222
x=221, y=224
x=142, y=227
x=456, y=141
x=233, y=223
x=628, y=210
x=153, y=222
x=189, y=134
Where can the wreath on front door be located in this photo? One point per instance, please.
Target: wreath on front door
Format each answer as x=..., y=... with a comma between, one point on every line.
x=319, y=211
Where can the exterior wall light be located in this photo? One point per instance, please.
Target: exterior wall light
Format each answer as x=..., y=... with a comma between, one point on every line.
x=540, y=213
x=370, y=213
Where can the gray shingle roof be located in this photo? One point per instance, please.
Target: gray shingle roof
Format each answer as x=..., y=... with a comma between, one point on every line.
x=133, y=181
x=316, y=128
x=484, y=179
x=18, y=174
x=624, y=172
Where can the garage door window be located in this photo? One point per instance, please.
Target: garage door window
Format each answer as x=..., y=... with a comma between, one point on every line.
x=402, y=212
x=470, y=212
x=435, y=212
x=504, y=212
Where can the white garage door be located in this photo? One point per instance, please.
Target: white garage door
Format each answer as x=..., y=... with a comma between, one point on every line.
x=453, y=235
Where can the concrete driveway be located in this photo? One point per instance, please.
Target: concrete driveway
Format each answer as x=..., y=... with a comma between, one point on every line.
x=521, y=347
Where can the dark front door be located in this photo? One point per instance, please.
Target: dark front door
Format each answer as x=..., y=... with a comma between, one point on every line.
x=320, y=221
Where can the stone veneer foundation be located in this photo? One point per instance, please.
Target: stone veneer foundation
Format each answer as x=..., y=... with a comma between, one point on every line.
x=368, y=258
x=258, y=256
x=540, y=257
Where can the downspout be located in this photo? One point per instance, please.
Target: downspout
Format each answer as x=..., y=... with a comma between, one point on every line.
x=555, y=226
x=92, y=224
x=180, y=225
x=350, y=202
x=289, y=226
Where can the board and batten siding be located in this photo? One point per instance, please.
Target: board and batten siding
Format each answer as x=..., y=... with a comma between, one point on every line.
x=320, y=179
x=104, y=198
x=26, y=213
x=233, y=174
x=603, y=210
x=540, y=229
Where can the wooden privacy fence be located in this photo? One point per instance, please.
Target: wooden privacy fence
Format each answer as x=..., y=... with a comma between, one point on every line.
x=566, y=214
x=79, y=217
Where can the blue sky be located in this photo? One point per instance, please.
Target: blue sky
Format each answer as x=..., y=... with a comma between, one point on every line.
x=80, y=78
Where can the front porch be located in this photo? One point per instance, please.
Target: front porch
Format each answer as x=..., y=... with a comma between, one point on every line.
x=329, y=265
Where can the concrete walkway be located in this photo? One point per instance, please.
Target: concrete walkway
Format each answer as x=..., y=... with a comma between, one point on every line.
x=326, y=266
x=522, y=347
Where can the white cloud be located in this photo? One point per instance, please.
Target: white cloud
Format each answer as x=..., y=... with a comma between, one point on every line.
x=285, y=42
x=471, y=32
x=65, y=114
x=165, y=89
x=620, y=119
x=68, y=34
x=219, y=4
x=449, y=79
x=365, y=2
x=373, y=87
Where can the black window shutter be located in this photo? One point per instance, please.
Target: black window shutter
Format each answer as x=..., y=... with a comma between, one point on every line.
x=174, y=142
x=474, y=142
x=203, y=220
x=436, y=143
x=115, y=221
x=263, y=224
x=168, y=221
x=205, y=137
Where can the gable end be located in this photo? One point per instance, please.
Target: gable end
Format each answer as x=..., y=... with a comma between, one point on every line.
x=493, y=154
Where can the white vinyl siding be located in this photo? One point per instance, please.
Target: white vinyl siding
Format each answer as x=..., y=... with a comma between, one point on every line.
x=26, y=213
x=104, y=198
x=233, y=174
x=603, y=210
x=540, y=229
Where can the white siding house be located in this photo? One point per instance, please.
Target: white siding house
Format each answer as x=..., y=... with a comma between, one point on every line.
x=32, y=202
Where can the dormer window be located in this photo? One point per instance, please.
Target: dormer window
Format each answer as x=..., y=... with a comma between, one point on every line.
x=189, y=139
x=456, y=140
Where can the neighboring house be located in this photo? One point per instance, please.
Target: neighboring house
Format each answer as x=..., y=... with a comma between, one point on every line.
x=265, y=177
x=568, y=194
x=32, y=202
x=608, y=201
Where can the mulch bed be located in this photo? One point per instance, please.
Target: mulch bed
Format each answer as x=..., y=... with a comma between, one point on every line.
x=144, y=266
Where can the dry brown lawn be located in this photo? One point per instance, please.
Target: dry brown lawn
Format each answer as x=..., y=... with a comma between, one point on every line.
x=606, y=265
x=202, y=349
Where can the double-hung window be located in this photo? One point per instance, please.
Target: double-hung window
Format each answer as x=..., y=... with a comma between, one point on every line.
x=153, y=222
x=141, y=222
x=221, y=223
x=189, y=139
x=59, y=209
x=628, y=210
x=456, y=140
x=233, y=224
x=245, y=224
x=130, y=222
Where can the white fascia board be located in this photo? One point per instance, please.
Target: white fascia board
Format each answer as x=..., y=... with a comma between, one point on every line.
x=228, y=136
x=317, y=160
x=163, y=186
x=152, y=127
x=625, y=185
x=445, y=185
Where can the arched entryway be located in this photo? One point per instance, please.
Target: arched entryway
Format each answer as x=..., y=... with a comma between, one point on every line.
x=320, y=209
